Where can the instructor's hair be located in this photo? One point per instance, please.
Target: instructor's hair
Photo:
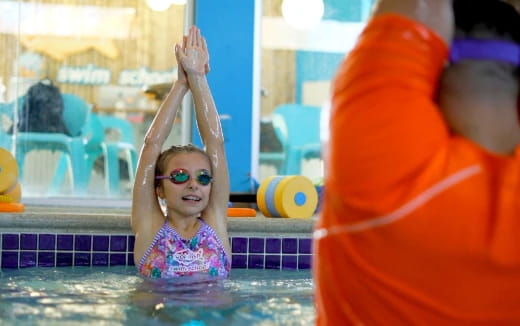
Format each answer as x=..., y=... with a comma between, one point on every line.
x=497, y=18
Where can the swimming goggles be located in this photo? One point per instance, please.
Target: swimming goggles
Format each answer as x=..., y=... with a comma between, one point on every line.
x=502, y=51
x=180, y=176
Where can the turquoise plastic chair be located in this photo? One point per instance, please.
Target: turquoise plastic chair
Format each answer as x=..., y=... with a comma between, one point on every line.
x=92, y=135
x=75, y=113
x=98, y=146
x=114, y=150
x=298, y=129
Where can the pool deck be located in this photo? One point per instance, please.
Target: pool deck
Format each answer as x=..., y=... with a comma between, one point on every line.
x=117, y=220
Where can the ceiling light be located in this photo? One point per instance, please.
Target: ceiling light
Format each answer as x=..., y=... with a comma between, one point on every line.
x=302, y=14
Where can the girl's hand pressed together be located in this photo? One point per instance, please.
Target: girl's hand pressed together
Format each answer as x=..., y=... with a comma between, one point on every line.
x=179, y=50
x=194, y=58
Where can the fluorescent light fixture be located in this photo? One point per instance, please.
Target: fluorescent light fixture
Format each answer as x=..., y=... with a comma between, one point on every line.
x=162, y=5
x=158, y=5
x=302, y=14
x=44, y=19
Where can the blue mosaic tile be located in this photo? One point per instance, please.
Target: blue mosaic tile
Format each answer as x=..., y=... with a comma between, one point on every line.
x=27, y=259
x=239, y=245
x=28, y=241
x=273, y=245
x=100, y=242
x=46, y=259
x=81, y=259
x=63, y=259
x=255, y=261
x=10, y=241
x=19, y=251
x=99, y=259
x=82, y=242
x=65, y=242
x=10, y=259
x=47, y=241
x=118, y=243
x=239, y=261
x=256, y=245
x=289, y=262
x=304, y=246
x=117, y=259
x=304, y=261
x=130, y=260
x=290, y=246
x=131, y=242
x=272, y=261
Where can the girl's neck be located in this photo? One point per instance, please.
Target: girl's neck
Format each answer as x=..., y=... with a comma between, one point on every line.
x=187, y=226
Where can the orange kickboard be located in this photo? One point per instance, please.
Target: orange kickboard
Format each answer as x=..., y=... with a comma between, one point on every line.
x=11, y=207
x=241, y=212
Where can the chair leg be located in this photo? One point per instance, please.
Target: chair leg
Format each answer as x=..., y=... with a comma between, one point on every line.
x=112, y=176
x=79, y=169
x=293, y=162
x=133, y=165
x=59, y=174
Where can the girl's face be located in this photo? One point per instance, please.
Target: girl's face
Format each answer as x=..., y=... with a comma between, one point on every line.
x=191, y=197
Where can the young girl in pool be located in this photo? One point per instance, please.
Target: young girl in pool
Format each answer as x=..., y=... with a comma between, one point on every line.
x=190, y=238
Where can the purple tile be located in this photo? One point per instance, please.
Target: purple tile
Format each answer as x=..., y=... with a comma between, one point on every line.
x=99, y=259
x=81, y=259
x=131, y=242
x=65, y=241
x=28, y=241
x=83, y=242
x=130, y=260
x=239, y=245
x=9, y=241
x=9, y=259
x=118, y=243
x=256, y=245
x=239, y=261
x=46, y=259
x=272, y=261
x=304, y=261
x=255, y=261
x=289, y=262
x=290, y=246
x=100, y=243
x=47, y=241
x=273, y=245
x=304, y=246
x=64, y=259
x=117, y=259
x=27, y=258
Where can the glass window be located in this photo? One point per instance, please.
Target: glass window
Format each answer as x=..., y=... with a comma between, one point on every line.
x=79, y=84
x=303, y=42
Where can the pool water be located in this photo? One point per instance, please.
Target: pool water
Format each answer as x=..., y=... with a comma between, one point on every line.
x=118, y=296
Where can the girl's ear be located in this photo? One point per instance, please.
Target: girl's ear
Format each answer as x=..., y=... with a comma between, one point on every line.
x=159, y=191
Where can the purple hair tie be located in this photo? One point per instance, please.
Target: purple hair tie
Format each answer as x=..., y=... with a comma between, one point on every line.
x=502, y=51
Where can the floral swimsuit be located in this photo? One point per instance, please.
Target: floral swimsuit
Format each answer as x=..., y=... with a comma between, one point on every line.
x=169, y=255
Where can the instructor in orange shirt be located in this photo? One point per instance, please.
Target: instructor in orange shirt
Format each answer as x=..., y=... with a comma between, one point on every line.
x=421, y=216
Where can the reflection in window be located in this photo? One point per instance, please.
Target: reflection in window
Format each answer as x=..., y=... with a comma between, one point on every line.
x=298, y=66
x=100, y=56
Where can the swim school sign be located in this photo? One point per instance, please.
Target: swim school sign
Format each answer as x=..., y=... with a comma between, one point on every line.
x=92, y=75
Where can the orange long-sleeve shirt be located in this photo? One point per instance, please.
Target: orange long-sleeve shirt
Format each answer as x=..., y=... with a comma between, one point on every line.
x=419, y=226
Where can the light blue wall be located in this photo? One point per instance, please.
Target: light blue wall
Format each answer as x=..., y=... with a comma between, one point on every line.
x=228, y=26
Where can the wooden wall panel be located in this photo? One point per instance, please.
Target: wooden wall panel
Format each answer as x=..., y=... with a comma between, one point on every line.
x=151, y=41
x=278, y=76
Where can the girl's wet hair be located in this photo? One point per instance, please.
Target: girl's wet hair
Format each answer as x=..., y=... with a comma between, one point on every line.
x=164, y=158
